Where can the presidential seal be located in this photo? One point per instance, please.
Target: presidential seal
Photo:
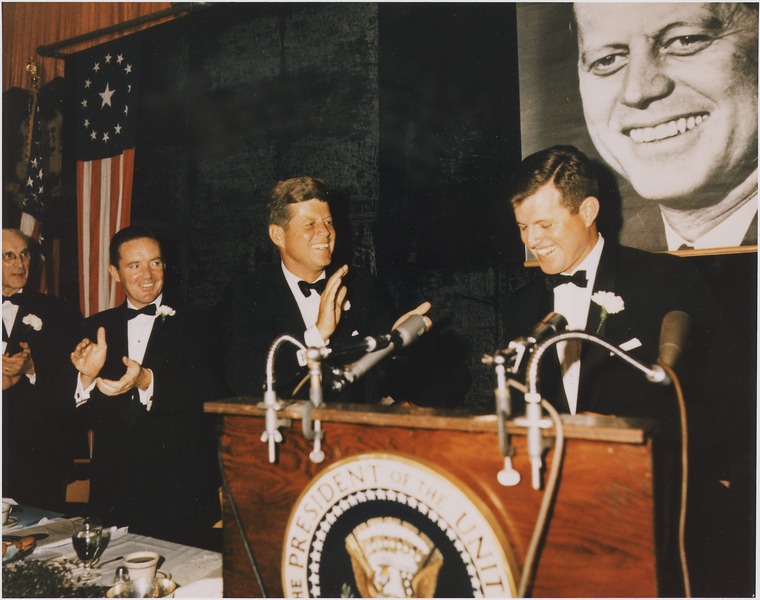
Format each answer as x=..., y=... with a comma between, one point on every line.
x=388, y=525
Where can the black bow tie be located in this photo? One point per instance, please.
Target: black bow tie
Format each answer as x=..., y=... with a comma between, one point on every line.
x=306, y=287
x=16, y=299
x=578, y=278
x=149, y=309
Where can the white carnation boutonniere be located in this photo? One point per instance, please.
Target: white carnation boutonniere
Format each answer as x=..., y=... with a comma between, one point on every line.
x=164, y=311
x=32, y=321
x=611, y=304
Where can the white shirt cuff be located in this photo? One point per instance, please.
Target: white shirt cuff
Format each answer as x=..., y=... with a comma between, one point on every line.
x=146, y=395
x=82, y=395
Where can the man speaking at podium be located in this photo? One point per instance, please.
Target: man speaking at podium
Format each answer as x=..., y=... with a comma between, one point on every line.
x=622, y=295
x=303, y=295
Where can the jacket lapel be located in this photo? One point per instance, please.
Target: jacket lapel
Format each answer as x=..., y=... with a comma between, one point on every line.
x=592, y=354
x=284, y=306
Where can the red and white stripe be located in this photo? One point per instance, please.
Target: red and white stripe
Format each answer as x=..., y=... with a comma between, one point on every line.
x=104, y=201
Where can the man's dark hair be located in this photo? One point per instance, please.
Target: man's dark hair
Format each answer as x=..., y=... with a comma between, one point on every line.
x=129, y=233
x=569, y=169
x=293, y=191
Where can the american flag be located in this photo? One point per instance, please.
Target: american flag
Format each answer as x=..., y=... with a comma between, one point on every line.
x=33, y=205
x=33, y=188
x=106, y=99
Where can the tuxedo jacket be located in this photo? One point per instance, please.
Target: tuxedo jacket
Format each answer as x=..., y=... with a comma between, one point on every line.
x=651, y=285
x=261, y=307
x=155, y=470
x=41, y=434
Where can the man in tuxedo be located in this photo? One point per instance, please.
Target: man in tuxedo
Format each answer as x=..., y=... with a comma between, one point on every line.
x=622, y=295
x=303, y=295
x=144, y=373
x=40, y=432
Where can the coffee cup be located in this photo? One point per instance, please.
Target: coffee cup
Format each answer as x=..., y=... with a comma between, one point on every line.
x=141, y=565
x=6, y=512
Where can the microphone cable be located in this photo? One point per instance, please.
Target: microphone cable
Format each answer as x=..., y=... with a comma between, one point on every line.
x=238, y=520
x=550, y=494
x=684, y=476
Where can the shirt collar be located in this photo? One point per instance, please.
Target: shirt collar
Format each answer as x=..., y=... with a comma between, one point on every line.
x=157, y=302
x=728, y=233
x=294, y=279
x=590, y=264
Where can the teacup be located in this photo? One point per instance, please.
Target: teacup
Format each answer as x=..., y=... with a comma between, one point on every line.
x=141, y=565
x=6, y=511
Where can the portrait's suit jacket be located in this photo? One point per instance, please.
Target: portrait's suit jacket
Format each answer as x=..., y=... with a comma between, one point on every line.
x=155, y=470
x=261, y=307
x=646, y=229
x=651, y=285
x=41, y=434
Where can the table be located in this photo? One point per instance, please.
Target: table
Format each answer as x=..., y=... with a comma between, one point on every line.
x=197, y=572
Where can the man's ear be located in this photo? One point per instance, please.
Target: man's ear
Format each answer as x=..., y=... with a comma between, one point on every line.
x=277, y=235
x=114, y=273
x=589, y=210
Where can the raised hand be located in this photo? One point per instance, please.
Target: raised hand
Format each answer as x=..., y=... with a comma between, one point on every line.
x=89, y=357
x=420, y=310
x=331, y=303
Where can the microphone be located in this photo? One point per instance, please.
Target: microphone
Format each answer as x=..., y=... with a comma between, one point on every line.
x=675, y=329
x=401, y=337
x=551, y=324
x=363, y=345
x=673, y=333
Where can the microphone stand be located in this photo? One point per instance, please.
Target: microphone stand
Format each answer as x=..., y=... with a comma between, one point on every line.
x=272, y=435
x=508, y=476
x=314, y=361
x=533, y=416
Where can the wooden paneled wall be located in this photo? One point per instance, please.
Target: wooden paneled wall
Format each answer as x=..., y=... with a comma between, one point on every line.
x=28, y=25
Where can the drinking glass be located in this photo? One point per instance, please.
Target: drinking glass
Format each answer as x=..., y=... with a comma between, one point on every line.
x=86, y=540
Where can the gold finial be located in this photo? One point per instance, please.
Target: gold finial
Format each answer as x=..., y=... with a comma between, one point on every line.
x=33, y=71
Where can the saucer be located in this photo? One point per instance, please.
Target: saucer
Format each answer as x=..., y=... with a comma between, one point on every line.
x=11, y=522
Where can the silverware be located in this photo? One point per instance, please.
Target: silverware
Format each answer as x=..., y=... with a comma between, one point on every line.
x=110, y=560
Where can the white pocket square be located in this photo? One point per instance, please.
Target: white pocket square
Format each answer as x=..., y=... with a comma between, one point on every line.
x=355, y=332
x=630, y=344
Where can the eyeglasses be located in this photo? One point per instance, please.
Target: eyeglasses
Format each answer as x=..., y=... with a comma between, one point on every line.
x=10, y=256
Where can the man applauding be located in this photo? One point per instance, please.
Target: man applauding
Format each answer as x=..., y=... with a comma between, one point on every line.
x=40, y=435
x=303, y=295
x=144, y=374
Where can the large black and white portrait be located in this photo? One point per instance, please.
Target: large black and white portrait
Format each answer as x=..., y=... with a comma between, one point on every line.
x=665, y=95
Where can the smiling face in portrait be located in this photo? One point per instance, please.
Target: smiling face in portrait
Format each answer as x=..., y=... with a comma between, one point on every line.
x=559, y=239
x=307, y=242
x=670, y=95
x=141, y=270
x=16, y=260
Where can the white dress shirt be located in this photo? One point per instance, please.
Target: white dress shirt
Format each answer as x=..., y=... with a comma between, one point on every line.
x=728, y=233
x=309, y=307
x=139, y=329
x=573, y=303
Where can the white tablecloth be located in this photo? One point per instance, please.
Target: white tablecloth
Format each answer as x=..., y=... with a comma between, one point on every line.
x=198, y=572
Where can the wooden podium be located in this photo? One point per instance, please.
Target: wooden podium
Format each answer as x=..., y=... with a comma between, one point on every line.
x=601, y=539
